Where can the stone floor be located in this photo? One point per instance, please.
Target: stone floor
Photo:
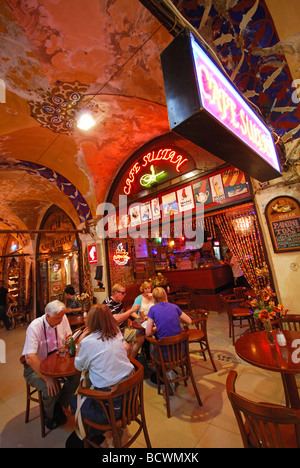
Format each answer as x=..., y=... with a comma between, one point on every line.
x=211, y=426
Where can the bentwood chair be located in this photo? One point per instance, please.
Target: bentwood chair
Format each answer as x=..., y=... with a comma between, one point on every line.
x=30, y=392
x=199, y=334
x=290, y=322
x=168, y=354
x=263, y=425
x=76, y=321
x=131, y=392
x=237, y=314
x=183, y=298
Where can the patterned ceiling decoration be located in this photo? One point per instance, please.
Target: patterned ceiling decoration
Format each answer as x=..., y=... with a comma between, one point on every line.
x=58, y=109
x=244, y=37
x=24, y=238
x=61, y=182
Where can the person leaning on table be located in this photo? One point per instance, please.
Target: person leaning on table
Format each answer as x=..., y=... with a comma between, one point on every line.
x=114, y=302
x=102, y=353
x=73, y=305
x=44, y=336
x=164, y=317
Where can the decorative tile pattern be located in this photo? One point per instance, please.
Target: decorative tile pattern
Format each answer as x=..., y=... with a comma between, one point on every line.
x=76, y=198
x=58, y=109
x=248, y=46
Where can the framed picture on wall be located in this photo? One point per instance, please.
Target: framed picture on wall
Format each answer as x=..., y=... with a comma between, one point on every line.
x=283, y=218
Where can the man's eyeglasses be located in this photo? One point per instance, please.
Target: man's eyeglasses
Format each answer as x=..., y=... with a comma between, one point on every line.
x=121, y=292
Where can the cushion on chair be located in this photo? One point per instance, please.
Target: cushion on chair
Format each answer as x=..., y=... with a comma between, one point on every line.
x=241, y=312
x=195, y=334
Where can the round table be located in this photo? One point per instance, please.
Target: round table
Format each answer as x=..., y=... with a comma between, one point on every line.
x=255, y=349
x=58, y=366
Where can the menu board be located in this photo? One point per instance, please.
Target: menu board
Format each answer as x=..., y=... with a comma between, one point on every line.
x=283, y=217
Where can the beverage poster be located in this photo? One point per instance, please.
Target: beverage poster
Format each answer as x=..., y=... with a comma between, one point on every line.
x=170, y=205
x=155, y=208
x=234, y=182
x=185, y=199
x=146, y=214
x=202, y=192
x=124, y=221
x=135, y=217
x=217, y=189
x=112, y=224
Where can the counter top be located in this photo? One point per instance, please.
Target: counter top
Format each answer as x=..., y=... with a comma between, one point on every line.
x=211, y=267
x=206, y=283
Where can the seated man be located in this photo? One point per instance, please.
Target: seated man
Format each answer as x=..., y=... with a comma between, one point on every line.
x=4, y=295
x=114, y=302
x=74, y=307
x=43, y=337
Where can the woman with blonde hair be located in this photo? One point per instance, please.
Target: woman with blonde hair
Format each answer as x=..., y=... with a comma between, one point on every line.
x=165, y=316
x=144, y=300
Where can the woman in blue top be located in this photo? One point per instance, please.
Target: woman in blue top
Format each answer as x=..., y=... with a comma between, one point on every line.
x=145, y=300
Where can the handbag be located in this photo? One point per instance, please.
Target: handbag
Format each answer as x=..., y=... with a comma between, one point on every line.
x=79, y=427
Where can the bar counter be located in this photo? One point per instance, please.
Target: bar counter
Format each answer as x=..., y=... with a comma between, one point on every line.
x=207, y=284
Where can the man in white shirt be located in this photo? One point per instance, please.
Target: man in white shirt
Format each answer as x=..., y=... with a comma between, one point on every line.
x=45, y=335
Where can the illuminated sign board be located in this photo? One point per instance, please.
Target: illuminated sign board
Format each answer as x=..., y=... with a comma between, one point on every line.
x=153, y=168
x=92, y=252
x=222, y=101
x=121, y=257
x=205, y=107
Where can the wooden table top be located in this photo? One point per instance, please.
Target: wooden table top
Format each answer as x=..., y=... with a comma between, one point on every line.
x=58, y=366
x=255, y=349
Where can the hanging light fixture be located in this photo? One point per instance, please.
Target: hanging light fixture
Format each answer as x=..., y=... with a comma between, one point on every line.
x=85, y=121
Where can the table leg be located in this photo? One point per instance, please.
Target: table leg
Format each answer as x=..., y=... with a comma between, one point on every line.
x=291, y=390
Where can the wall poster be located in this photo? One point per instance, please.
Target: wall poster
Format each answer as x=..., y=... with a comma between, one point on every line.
x=283, y=217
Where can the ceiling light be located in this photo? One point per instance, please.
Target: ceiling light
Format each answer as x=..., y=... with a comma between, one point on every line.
x=85, y=121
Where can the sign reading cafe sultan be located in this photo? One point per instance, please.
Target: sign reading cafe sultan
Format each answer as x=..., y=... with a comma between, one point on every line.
x=154, y=167
x=206, y=108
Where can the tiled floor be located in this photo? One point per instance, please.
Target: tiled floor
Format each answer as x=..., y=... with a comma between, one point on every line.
x=211, y=426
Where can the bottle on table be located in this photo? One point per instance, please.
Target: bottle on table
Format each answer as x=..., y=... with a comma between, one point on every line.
x=72, y=348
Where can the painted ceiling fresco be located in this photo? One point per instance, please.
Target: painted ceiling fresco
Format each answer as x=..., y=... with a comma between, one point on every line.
x=61, y=56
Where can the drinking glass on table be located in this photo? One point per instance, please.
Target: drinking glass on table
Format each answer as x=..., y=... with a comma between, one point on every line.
x=62, y=351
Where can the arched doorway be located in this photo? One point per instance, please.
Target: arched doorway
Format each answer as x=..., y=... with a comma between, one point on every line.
x=59, y=258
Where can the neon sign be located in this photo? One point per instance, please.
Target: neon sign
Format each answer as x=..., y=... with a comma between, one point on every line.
x=222, y=101
x=163, y=154
x=121, y=257
x=152, y=178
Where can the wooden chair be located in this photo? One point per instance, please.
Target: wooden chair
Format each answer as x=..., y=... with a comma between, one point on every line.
x=170, y=353
x=15, y=316
x=131, y=391
x=76, y=321
x=199, y=334
x=263, y=425
x=237, y=314
x=30, y=391
x=183, y=298
x=290, y=322
x=240, y=292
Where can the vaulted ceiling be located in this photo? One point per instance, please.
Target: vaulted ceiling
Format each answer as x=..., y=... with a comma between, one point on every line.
x=60, y=56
